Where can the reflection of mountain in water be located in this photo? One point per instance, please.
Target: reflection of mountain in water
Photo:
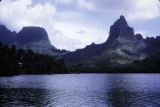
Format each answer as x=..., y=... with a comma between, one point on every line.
x=124, y=98
x=50, y=98
x=117, y=97
x=81, y=91
x=126, y=94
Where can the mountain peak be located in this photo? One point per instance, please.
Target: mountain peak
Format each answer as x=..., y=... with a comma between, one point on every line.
x=121, y=16
x=120, y=29
x=31, y=33
x=3, y=29
x=6, y=36
x=122, y=20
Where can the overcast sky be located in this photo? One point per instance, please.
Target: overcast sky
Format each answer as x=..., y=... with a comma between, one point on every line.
x=73, y=24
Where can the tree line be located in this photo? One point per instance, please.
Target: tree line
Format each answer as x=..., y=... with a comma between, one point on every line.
x=148, y=65
x=15, y=61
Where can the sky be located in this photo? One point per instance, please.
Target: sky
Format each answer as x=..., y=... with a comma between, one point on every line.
x=73, y=24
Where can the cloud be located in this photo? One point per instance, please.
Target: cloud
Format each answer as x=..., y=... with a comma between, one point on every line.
x=87, y=4
x=64, y=1
x=74, y=31
x=132, y=9
x=145, y=10
x=19, y=13
x=73, y=24
x=81, y=27
x=66, y=42
x=81, y=32
x=16, y=14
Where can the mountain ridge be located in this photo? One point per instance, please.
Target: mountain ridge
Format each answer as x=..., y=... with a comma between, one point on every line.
x=123, y=46
x=30, y=37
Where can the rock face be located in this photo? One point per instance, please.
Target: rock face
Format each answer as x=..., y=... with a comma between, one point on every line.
x=35, y=38
x=120, y=30
x=122, y=47
x=32, y=34
x=153, y=45
x=6, y=36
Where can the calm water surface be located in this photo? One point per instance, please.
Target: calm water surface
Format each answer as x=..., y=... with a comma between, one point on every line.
x=81, y=90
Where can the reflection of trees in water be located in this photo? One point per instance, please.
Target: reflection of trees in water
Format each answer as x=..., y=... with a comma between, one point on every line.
x=24, y=97
x=119, y=97
x=123, y=93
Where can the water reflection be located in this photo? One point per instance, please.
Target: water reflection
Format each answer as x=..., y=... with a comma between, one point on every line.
x=22, y=97
x=126, y=98
x=50, y=98
x=81, y=91
x=127, y=92
x=120, y=97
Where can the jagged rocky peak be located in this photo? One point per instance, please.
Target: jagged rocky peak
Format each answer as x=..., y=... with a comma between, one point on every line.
x=2, y=27
x=120, y=29
x=4, y=30
x=35, y=38
x=153, y=40
x=32, y=34
x=139, y=36
x=122, y=21
x=6, y=36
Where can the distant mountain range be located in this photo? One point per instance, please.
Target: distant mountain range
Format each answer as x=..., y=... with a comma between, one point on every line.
x=122, y=46
x=35, y=38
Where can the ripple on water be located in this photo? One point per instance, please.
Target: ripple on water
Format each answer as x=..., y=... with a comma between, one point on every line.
x=80, y=91
x=51, y=98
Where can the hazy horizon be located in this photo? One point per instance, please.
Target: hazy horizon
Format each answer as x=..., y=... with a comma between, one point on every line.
x=73, y=24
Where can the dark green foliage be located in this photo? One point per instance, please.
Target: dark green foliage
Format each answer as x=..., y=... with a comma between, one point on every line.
x=18, y=61
x=15, y=61
x=148, y=65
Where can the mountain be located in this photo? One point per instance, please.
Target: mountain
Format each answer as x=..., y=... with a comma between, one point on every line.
x=32, y=34
x=120, y=30
x=6, y=36
x=153, y=45
x=122, y=46
x=34, y=38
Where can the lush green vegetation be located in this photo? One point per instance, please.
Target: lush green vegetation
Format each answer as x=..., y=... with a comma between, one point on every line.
x=15, y=61
x=148, y=65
